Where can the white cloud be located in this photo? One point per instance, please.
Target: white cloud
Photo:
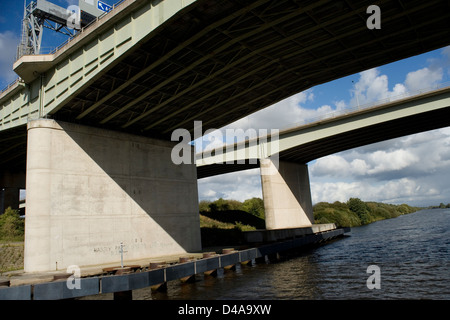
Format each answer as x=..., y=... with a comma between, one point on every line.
x=380, y=161
x=413, y=169
x=335, y=191
x=274, y=116
x=287, y=113
x=399, y=90
x=425, y=78
x=277, y=116
x=374, y=88
x=331, y=166
x=397, y=191
x=371, y=87
x=383, y=161
x=241, y=185
x=341, y=105
x=359, y=167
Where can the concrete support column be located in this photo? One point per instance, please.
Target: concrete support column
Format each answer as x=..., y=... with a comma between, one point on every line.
x=90, y=189
x=287, y=195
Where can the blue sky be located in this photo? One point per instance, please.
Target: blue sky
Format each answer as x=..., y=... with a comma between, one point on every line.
x=413, y=169
x=342, y=89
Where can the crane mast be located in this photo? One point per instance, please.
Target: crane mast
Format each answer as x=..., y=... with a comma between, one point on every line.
x=40, y=14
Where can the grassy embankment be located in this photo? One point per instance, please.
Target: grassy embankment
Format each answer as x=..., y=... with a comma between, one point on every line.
x=223, y=221
x=11, y=241
x=11, y=256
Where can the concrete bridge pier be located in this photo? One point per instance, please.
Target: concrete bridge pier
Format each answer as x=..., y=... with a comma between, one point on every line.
x=10, y=185
x=287, y=194
x=90, y=189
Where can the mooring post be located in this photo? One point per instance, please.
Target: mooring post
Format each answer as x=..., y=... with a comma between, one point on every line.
x=121, y=255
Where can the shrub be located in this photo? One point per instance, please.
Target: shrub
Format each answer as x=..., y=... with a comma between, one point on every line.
x=360, y=208
x=255, y=206
x=11, y=225
x=204, y=206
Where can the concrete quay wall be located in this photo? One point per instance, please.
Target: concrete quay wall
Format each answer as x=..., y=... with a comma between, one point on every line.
x=58, y=289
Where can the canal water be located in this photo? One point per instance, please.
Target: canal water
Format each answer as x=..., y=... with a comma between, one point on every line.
x=411, y=254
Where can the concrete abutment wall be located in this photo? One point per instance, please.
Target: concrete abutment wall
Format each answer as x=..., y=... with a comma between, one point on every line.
x=90, y=189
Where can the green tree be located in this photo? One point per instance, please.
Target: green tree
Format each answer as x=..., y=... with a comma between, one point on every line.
x=221, y=205
x=404, y=208
x=360, y=208
x=234, y=205
x=255, y=206
x=213, y=207
x=11, y=225
x=203, y=206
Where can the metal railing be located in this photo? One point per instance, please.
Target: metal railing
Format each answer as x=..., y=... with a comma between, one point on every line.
x=9, y=86
x=114, y=6
x=306, y=121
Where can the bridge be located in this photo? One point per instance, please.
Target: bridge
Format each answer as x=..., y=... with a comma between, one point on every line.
x=89, y=125
x=286, y=190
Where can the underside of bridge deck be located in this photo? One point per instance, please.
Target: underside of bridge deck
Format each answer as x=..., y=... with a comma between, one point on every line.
x=376, y=133
x=217, y=61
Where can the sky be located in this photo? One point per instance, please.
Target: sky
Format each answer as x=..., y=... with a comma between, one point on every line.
x=414, y=169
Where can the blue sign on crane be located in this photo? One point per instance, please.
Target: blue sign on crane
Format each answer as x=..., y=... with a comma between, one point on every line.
x=103, y=6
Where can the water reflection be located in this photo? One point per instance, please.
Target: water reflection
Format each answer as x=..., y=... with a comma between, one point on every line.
x=412, y=252
x=261, y=281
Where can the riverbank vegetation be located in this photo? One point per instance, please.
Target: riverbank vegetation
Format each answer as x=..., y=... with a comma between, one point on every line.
x=352, y=213
x=441, y=206
x=223, y=221
x=356, y=212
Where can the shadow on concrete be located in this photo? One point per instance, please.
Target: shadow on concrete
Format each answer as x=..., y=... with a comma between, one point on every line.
x=144, y=171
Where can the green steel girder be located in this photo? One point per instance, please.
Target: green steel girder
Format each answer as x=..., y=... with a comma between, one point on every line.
x=308, y=142
x=149, y=67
